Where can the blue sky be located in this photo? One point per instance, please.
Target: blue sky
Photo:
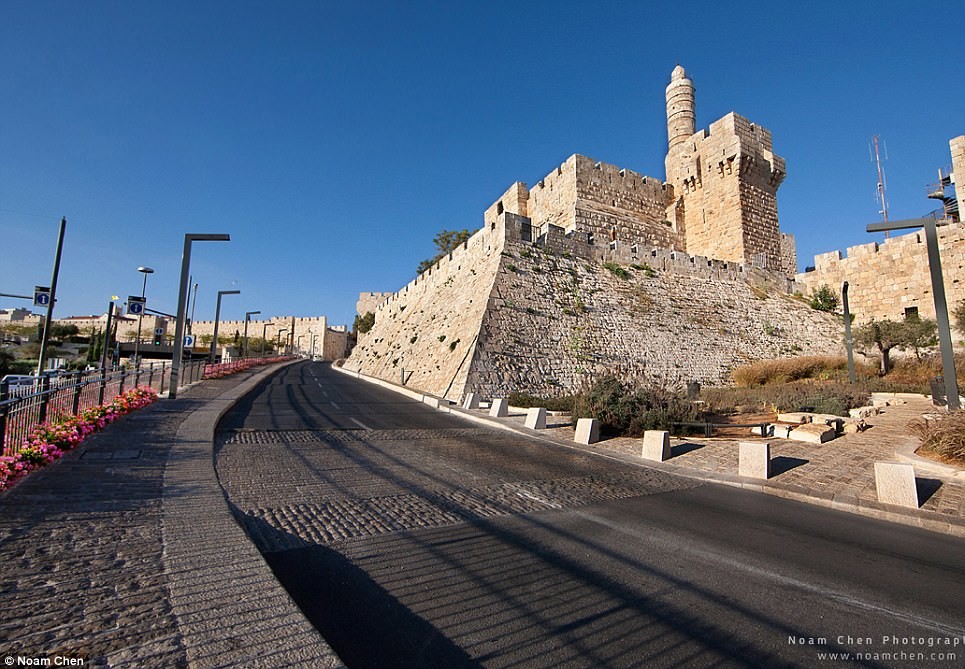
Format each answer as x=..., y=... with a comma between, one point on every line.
x=332, y=140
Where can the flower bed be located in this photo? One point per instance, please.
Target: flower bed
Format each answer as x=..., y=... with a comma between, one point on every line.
x=224, y=369
x=49, y=441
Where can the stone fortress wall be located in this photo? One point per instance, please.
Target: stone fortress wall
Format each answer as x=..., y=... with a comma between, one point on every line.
x=331, y=344
x=891, y=279
x=704, y=283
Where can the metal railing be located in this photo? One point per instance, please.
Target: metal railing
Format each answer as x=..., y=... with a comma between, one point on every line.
x=52, y=399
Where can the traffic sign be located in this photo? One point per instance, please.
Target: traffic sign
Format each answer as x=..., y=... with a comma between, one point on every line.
x=158, y=332
x=188, y=341
x=41, y=296
x=135, y=305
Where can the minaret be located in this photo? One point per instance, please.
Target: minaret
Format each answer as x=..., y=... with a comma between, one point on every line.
x=681, y=120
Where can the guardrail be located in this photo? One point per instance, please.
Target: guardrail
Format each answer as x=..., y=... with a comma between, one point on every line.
x=54, y=398
x=67, y=395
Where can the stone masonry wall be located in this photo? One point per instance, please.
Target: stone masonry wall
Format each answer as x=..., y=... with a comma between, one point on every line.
x=552, y=201
x=506, y=314
x=615, y=203
x=886, y=279
x=725, y=180
x=428, y=329
x=957, y=146
x=556, y=320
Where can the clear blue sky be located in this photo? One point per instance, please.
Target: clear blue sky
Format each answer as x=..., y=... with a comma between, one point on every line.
x=332, y=140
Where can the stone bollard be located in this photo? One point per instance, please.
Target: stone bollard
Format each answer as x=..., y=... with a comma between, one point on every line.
x=895, y=483
x=656, y=445
x=536, y=418
x=499, y=408
x=587, y=431
x=431, y=401
x=471, y=402
x=755, y=459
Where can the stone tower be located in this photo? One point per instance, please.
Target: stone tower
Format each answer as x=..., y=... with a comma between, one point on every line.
x=681, y=118
x=725, y=182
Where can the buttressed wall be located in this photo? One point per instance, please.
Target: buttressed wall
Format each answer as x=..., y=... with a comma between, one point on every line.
x=526, y=304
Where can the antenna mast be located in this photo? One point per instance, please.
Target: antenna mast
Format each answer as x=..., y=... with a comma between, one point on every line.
x=880, y=196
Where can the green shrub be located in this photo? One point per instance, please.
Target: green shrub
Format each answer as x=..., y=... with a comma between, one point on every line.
x=564, y=403
x=617, y=271
x=630, y=411
x=824, y=299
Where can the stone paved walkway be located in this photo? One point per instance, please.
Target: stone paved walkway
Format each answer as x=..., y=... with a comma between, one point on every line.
x=125, y=554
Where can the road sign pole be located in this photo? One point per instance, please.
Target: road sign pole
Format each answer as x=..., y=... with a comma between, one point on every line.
x=53, y=293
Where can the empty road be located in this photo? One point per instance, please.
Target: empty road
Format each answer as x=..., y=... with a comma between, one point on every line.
x=413, y=539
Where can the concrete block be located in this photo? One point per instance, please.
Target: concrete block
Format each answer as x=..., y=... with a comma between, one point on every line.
x=755, y=459
x=471, y=401
x=794, y=417
x=536, y=418
x=431, y=401
x=768, y=431
x=656, y=445
x=896, y=484
x=812, y=433
x=863, y=412
x=587, y=431
x=499, y=408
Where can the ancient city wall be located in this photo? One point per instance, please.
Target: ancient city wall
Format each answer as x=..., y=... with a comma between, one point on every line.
x=957, y=146
x=428, y=329
x=556, y=320
x=552, y=201
x=889, y=278
x=505, y=314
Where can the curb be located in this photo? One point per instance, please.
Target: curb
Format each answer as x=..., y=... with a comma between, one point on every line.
x=928, y=520
x=230, y=608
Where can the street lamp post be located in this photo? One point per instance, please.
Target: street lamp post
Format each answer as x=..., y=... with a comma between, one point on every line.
x=264, y=333
x=938, y=291
x=314, y=338
x=137, y=342
x=248, y=315
x=278, y=337
x=217, y=318
x=298, y=344
x=182, y=304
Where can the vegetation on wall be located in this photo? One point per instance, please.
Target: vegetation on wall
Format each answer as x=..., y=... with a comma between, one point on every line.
x=824, y=299
x=446, y=242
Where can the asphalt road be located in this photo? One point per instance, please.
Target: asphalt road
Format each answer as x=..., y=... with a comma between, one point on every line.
x=413, y=539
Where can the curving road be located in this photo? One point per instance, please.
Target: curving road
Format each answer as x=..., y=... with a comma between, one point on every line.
x=413, y=539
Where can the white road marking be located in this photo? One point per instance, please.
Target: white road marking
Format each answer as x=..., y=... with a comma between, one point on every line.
x=360, y=424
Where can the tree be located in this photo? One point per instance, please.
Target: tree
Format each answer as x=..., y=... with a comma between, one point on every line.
x=824, y=299
x=446, y=242
x=959, y=315
x=886, y=335
x=364, y=323
x=6, y=362
x=61, y=332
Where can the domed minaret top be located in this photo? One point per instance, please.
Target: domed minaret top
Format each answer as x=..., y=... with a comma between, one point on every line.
x=681, y=117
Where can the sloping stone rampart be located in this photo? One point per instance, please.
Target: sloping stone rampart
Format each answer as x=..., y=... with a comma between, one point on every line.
x=506, y=314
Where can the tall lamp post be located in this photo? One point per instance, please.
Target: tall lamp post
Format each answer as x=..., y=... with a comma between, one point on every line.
x=298, y=344
x=938, y=291
x=182, y=304
x=314, y=339
x=137, y=342
x=278, y=337
x=248, y=315
x=217, y=319
x=264, y=334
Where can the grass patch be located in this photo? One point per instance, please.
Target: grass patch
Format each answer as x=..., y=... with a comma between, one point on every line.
x=943, y=435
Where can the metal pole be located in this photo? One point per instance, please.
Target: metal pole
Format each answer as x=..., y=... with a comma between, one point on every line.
x=48, y=323
x=107, y=334
x=194, y=303
x=137, y=342
x=217, y=319
x=848, y=340
x=178, y=351
x=248, y=315
x=941, y=316
x=264, y=333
